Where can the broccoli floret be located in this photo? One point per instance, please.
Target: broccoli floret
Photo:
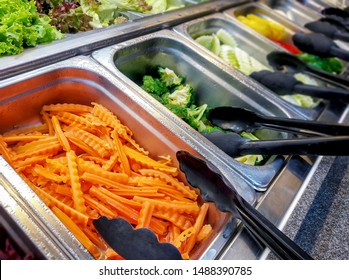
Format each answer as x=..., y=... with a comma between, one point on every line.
x=181, y=96
x=154, y=85
x=195, y=114
x=169, y=77
x=180, y=111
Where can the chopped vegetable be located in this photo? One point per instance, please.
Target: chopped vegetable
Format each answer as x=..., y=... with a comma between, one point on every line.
x=329, y=64
x=267, y=28
x=171, y=90
x=290, y=47
x=225, y=46
x=21, y=27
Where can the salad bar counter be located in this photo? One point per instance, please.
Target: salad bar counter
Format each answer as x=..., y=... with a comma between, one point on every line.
x=163, y=118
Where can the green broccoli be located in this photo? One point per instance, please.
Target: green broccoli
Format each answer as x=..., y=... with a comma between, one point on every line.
x=181, y=96
x=169, y=77
x=180, y=111
x=154, y=86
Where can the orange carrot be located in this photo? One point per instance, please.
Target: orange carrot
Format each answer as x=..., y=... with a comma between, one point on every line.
x=145, y=215
x=79, y=234
x=79, y=202
x=60, y=135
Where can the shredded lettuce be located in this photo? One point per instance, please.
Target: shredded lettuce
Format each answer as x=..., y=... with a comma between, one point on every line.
x=21, y=26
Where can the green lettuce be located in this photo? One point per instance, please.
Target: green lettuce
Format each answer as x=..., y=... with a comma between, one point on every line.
x=21, y=26
x=106, y=12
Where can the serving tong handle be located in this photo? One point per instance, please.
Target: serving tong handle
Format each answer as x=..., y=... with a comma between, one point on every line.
x=225, y=117
x=281, y=60
x=215, y=188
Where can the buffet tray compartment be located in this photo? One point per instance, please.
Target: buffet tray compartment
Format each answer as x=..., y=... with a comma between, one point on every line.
x=80, y=80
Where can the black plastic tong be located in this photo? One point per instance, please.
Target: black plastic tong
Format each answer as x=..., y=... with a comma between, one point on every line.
x=285, y=84
x=134, y=244
x=319, y=44
x=215, y=188
x=284, y=61
x=239, y=119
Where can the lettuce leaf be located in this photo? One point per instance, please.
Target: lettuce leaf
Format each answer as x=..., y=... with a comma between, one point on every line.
x=21, y=26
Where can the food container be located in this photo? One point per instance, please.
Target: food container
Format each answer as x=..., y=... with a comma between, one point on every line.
x=253, y=45
x=85, y=42
x=294, y=11
x=80, y=80
x=267, y=13
x=319, y=5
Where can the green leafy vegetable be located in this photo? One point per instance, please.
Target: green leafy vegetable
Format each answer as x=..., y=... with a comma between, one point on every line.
x=21, y=26
x=329, y=64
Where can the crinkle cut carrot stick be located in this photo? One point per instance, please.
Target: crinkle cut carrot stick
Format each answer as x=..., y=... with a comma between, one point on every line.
x=100, y=207
x=79, y=234
x=76, y=108
x=42, y=128
x=109, y=118
x=179, y=220
x=205, y=232
x=111, y=162
x=47, y=174
x=48, y=122
x=60, y=135
x=126, y=211
x=24, y=138
x=81, y=144
x=70, y=118
x=22, y=164
x=129, y=202
x=197, y=228
x=75, y=215
x=53, y=148
x=183, y=237
x=187, y=191
x=79, y=202
x=188, y=208
x=33, y=145
x=99, y=171
x=97, y=144
x=97, y=179
x=149, y=162
x=145, y=215
x=122, y=156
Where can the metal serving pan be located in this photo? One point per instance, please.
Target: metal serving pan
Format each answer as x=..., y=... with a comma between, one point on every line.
x=253, y=45
x=319, y=5
x=294, y=11
x=85, y=42
x=81, y=80
x=214, y=84
x=264, y=11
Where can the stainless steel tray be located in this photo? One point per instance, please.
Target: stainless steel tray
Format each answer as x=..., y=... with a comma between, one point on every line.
x=294, y=11
x=85, y=42
x=81, y=80
x=214, y=84
x=319, y=5
x=264, y=11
